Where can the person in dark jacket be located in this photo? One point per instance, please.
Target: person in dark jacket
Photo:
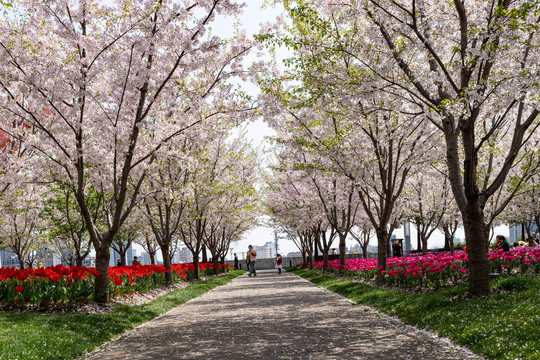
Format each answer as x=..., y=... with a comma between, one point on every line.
x=504, y=244
x=397, y=249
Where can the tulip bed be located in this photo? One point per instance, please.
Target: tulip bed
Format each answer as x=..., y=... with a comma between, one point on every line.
x=63, y=285
x=436, y=269
x=68, y=335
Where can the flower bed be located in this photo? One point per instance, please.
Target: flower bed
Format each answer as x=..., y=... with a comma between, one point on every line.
x=60, y=284
x=436, y=269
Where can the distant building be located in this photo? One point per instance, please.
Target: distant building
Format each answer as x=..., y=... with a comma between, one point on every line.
x=373, y=249
x=89, y=261
x=145, y=258
x=294, y=254
x=115, y=256
x=50, y=259
x=356, y=247
x=182, y=256
x=8, y=259
x=515, y=232
x=186, y=256
x=266, y=251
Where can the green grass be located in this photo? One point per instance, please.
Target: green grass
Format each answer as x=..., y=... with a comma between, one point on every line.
x=69, y=335
x=504, y=326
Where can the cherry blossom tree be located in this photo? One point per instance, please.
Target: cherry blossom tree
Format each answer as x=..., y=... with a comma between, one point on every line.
x=432, y=200
x=221, y=176
x=338, y=198
x=164, y=206
x=125, y=238
x=67, y=229
x=147, y=240
x=106, y=86
x=235, y=209
x=295, y=207
x=22, y=228
x=362, y=232
x=336, y=109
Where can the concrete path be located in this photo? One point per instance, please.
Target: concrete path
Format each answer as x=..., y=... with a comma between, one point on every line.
x=277, y=317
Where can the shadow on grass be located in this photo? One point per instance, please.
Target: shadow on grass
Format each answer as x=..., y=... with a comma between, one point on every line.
x=503, y=326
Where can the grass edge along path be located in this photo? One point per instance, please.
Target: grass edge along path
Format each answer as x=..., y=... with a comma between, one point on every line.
x=504, y=326
x=71, y=335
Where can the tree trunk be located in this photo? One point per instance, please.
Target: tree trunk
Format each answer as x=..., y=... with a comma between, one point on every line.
x=152, y=258
x=342, y=244
x=196, y=265
x=447, y=242
x=216, y=263
x=418, y=239
x=204, y=255
x=364, y=251
x=383, y=240
x=528, y=228
x=325, y=258
x=123, y=260
x=21, y=262
x=102, y=281
x=165, y=252
x=424, y=245
x=476, y=237
x=79, y=260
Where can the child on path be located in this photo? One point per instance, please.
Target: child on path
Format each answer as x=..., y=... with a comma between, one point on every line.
x=279, y=261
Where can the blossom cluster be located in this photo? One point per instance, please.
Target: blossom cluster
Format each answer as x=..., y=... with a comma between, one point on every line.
x=436, y=269
x=60, y=284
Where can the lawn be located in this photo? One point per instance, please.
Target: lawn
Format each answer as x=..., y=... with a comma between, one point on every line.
x=504, y=326
x=69, y=335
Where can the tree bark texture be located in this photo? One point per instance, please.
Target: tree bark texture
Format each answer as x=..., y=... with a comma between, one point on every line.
x=476, y=237
x=102, y=281
x=165, y=252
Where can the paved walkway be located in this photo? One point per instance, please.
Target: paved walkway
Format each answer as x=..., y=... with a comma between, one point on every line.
x=276, y=317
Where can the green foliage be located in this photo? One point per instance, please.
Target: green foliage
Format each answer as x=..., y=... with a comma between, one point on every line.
x=520, y=283
x=6, y=4
x=70, y=335
x=503, y=326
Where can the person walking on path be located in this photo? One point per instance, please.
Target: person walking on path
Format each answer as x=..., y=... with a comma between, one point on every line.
x=235, y=261
x=279, y=261
x=250, y=259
